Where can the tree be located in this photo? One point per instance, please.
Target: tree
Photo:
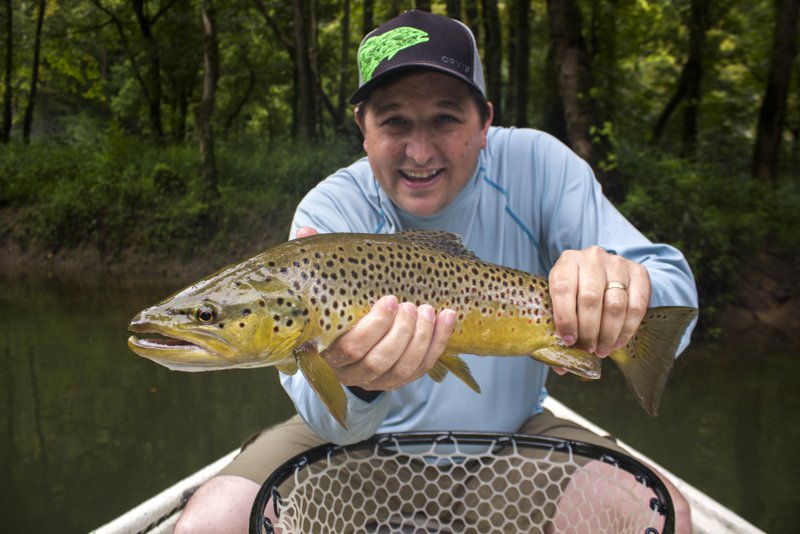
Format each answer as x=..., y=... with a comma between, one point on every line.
x=37, y=50
x=5, y=129
x=773, y=105
x=305, y=84
x=453, y=9
x=344, y=63
x=519, y=60
x=367, y=21
x=148, y=75
x=205, y=109
x=587, y=135
x=153, y=72
x=493, y=57
x=690, y=81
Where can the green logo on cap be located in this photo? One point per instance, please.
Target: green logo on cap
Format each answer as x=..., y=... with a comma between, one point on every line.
x=376, y=49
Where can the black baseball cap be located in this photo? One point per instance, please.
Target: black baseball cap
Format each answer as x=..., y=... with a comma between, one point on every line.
x=418, y=39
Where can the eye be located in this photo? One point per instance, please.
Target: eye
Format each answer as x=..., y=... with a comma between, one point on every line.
x=393, y=121
x=447, y=118
x=205, y=313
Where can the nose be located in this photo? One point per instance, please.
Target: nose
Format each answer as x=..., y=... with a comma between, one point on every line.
x=419, y=146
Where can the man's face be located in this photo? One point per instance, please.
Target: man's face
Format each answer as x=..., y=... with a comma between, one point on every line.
x=423, y=135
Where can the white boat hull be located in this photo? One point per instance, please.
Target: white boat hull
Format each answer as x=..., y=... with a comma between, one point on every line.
x=158, y=514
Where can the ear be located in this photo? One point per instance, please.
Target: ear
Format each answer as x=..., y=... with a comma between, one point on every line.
x=361, y=124
x=485, y=129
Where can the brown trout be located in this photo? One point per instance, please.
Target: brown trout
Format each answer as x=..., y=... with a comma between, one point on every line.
x=286, y=305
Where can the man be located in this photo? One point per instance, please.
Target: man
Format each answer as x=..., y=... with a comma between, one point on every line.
x=518, y=197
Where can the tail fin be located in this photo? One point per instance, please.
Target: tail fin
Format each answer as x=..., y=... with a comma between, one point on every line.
x=647, y=359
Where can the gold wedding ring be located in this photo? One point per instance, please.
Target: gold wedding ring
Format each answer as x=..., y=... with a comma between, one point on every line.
x=616, y=285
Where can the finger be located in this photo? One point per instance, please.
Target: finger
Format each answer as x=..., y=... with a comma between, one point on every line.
x=639, y=291
x=615, y=307
x=563, y=283
x=591, y=286
x=409, y=367
x=375, y=370
x=560, y=371
x=445, y=325
x=304, y=231
x=352, y=346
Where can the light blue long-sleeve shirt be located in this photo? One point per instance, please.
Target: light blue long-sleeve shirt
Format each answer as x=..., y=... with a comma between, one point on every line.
x=529, y=199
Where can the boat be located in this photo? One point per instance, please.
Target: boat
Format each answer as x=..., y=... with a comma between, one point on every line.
x=159, y=514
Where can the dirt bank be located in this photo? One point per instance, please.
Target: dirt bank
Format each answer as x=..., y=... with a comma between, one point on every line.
x=767, y=293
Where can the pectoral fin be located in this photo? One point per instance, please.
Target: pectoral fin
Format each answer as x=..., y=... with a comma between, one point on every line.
x=323, y=381
x=452, y=362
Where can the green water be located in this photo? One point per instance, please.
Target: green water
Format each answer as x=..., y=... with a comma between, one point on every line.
x=88, y=430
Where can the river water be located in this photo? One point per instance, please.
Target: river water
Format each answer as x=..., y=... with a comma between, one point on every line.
x=88, y=430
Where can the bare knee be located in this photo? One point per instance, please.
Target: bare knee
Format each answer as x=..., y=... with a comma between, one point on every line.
x=221, y=505
x=683, y=512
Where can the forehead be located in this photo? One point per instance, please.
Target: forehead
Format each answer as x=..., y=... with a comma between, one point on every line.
x=420, y=88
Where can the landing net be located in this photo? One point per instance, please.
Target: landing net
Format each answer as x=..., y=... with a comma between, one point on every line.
x=463, y=482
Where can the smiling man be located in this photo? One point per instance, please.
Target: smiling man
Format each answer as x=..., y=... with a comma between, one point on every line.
x=519, y=198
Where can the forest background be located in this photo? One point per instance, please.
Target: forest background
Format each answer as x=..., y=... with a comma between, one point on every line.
x=171, y=137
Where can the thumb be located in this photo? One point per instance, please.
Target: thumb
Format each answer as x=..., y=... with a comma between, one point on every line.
x=305, y=231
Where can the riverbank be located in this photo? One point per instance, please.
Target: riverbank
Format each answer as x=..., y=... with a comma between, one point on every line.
x=766, y=292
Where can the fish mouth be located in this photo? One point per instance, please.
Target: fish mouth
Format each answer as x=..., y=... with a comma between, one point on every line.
x=182, y=353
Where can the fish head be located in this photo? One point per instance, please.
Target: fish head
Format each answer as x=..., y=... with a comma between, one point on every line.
x=225, y=325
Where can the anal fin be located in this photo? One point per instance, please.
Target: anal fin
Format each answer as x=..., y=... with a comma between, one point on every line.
x=323, y=381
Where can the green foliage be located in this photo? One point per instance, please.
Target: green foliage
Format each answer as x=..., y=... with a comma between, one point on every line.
x=718, y=220
x=125, y=193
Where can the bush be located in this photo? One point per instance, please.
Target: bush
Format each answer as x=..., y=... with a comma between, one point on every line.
x=715, y=219
x=127, y=193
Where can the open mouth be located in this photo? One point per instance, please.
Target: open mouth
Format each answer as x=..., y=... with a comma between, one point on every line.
x=161, y=343
x=421, y=177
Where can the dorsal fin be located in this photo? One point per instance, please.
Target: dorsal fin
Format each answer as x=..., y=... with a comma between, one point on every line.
x=444, y=241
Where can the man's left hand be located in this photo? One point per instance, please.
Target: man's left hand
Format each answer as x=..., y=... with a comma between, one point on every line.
x=599, y=299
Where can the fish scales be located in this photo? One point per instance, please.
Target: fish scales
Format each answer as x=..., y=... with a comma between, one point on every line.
x=283, y=307
x=495, y=306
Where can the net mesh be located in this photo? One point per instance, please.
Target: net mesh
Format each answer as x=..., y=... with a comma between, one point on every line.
x=458, y=485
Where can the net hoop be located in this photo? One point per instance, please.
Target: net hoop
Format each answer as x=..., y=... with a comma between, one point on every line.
x=396, y=444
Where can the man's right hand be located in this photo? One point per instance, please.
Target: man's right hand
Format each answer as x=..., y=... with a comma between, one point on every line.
x=393, y=345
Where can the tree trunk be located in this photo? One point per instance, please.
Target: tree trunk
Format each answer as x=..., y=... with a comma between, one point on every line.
x=690, y=81
x=519, y=61
x=453, y=9
x=205, y=111
x=773, y=106
x=37, y=50
x=5, y=130
x=422, y=5
x=472, y=18
x=493, y=51
x=586, y=134
x=344, y=64
x=153, y=74
x=367, y=21
x=305, y=86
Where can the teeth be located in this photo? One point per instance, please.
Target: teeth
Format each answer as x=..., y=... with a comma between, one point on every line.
x=421, y=175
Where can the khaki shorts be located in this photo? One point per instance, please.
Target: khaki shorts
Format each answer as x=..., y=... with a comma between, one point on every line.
x=266, y=451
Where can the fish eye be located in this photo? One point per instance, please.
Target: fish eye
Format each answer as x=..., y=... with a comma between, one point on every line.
x=205, y=313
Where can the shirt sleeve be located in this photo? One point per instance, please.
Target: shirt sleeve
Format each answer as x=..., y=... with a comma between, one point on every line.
x=341, y=203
